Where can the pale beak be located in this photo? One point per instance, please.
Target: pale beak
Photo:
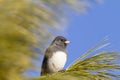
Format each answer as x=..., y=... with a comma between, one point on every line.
x=67, y=42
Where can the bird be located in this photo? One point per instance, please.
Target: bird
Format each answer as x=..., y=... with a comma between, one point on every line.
x=55, y=56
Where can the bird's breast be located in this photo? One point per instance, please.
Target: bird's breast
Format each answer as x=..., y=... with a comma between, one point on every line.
x=57, y=61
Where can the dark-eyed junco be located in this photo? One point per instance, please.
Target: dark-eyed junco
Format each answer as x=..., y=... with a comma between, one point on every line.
x=55, y=56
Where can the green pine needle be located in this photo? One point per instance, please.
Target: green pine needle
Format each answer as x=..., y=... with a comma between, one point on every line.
x=96, y=67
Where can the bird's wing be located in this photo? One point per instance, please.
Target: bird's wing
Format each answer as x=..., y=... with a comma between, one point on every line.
x=44, y=66
x=45, y=60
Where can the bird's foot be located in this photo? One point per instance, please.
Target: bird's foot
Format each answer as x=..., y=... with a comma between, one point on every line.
x=62, y=70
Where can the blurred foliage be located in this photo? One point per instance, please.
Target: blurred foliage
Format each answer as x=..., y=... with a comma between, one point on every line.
x=26, y=25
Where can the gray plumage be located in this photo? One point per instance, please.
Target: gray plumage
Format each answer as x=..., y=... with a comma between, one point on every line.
x=55, y=56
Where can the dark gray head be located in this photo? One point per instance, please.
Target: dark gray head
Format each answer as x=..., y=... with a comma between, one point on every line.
x=60, y=41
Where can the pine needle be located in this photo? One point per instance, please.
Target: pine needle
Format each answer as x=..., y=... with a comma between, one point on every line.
x=101, y=44
x=102, y=66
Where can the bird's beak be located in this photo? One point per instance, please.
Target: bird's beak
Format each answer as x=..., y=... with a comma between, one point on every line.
x=67, y=42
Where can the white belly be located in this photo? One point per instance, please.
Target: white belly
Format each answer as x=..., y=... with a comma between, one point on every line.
x=57, y=61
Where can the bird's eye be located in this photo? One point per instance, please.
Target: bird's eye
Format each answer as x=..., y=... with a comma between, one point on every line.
x=61, y=40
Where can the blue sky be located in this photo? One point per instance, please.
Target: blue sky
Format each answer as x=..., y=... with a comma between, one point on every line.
x=87, y=29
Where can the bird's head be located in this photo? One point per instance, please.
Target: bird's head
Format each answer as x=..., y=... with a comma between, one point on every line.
x=61, y=41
